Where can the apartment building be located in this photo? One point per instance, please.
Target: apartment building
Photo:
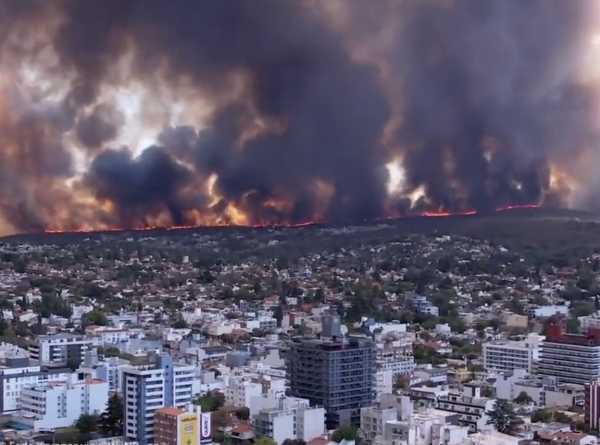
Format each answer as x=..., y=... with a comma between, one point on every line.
x=55, y=404
x=398, y=359
x=63, y=347
x=572, y=358
x=243, y=389
x=391, y=407
x=420, y=304
x=17, y=371
x=333, y=372
x=108, y=369
x=589, y=321
x=470, y=405
x=393, y=421
x=292, y=418
x=544, y=391
x=384, y=381
x=504, y=355
x=148, y=388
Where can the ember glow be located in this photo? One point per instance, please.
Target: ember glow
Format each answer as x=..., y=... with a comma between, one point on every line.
x=137, y=114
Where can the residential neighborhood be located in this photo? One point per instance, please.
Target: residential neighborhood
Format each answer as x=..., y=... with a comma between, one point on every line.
x=413, y=339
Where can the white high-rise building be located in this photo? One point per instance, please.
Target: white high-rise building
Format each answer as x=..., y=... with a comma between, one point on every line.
x=571, y=358
x=55, y=404
x=510, y=355
x=63, y=348
x=148, y=388
x=17, y=371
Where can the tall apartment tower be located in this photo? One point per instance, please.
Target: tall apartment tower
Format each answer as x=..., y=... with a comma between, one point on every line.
x=591, y=407
x=572, y=358
x=333, y=372
x=148, y=388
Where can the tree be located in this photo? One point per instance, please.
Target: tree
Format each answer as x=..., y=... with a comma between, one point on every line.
x=180, y=324
x=110, y=423
x=573, y=326
x=503, y=417
x=523, y=398
x=561, y=417
x=243, y=413
x=293, y=442
x=541, y=415
x=265, y=441
x=401, y=381
x=73, y=363
x=95, y=317
x=86, y=424
x=211, y=401
x=345, y=432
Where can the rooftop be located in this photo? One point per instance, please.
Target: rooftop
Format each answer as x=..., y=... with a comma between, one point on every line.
x=169, y=411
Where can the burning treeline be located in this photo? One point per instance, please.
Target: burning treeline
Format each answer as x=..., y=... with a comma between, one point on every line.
x=136, y=113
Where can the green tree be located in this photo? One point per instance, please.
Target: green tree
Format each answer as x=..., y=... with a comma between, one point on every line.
x=503, y=417
x=541, y=415
x=345, y=432
x=293, y=442
x=211, y=401
x=86, y=424
x=523, y=398
x=73, y=363
x=265, y=441
x=561, y=417
x=110, y=423
x=95, y=317
x=573, y=326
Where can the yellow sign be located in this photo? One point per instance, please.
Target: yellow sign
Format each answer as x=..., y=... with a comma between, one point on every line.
x=189, y=433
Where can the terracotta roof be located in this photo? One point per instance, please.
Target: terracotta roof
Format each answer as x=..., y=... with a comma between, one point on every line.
x=91, y=381
x=169, y=411
x=318, y=441
x=564, y=436
x=241, y=429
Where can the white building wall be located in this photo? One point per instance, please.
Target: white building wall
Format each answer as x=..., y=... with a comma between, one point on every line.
x=511, y=355
x=384, y=381
x=283, y=428
x=15, y=379
x=263, y=401
x=562, y=397
x=310, y=423
x=505, y=384
x=59, y=405
x=589, y=321
x=239, y=392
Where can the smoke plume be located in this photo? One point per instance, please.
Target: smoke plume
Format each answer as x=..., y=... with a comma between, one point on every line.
x=136, y=113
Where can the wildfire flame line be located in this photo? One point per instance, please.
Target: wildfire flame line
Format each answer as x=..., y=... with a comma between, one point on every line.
x=428, y=214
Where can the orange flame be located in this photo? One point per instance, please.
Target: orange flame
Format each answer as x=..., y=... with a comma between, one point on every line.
x=427, y=214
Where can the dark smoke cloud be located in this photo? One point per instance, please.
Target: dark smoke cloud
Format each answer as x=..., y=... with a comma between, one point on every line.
x=488, y=90
x=139, y=187
x=99, y=126
x=489, y=87
x=299, y=71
